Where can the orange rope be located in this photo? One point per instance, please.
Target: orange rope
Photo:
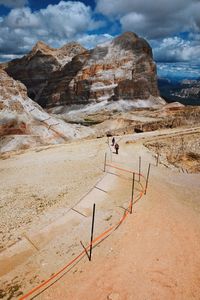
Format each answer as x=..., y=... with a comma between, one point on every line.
x=100, y=237
x=125, y=170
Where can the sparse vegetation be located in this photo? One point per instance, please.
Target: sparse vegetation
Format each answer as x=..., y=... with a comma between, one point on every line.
x=181, y=152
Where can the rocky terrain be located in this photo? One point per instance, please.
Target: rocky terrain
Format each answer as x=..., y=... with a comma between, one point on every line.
x=24, y=124
x=121, y=118
x=35, y=68
x=110, y=90
x=189, y=89
x=81, y=88
x=120, y=69
x=185, y=91
x=179, y=151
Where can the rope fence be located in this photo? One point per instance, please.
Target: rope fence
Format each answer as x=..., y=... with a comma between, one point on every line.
x=87, y=250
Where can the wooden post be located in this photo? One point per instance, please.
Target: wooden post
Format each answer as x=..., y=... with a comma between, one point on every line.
x=147, y=180
x=132, y=195
x=104, y=169
x=139, y=167
x=92, y=230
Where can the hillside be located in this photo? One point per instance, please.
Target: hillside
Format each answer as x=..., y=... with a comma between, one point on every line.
x=24, y=124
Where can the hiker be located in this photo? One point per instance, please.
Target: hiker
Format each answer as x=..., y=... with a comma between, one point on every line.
x=113, y=141
x=116, y=148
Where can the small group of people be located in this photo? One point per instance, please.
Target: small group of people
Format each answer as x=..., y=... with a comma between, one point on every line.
x=116, y=145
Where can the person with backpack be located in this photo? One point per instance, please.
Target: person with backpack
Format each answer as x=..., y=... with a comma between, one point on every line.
x=116, y=148
x=113, y=141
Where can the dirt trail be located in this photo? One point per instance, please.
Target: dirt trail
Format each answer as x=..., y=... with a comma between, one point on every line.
x=155, y=254
x=43, y=247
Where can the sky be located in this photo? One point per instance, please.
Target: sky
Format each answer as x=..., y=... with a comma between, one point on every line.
x=172, y=27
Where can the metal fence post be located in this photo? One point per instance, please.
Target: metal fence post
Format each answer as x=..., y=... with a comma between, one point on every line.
x=104, y=169
x=139, y=167
x=132, y=195
x=147, y=180
x=92, y=230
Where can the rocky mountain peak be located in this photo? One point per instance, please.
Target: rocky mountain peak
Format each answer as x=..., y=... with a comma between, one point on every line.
x=127, y=36
x=40, y=48
x=68, y=51
x=120, y=69
x=72, y=46
x=131, y=41
x=63, y=54
x=71, y=49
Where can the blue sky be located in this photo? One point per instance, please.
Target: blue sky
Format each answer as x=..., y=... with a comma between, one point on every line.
x=172, y=27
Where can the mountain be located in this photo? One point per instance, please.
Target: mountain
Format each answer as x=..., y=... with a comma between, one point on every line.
x=35, y=68
x=184, y=91
x=190, y=89
x=122, y=69
x=24, y=124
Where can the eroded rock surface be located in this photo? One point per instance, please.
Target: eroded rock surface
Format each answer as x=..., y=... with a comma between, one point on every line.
x=35, y=68
x=23, y=123
x=120, y=69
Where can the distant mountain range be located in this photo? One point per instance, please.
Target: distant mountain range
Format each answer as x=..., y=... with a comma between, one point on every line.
x=184, y=91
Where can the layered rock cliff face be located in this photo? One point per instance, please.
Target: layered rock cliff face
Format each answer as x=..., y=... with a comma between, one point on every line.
x=23, y=123
x=119, y=69
x=35, y=69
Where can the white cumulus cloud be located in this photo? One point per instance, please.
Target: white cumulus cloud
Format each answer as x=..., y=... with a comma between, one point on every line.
x=177, y=49
x=90, y=41
x=159, y=21
x=56, y=25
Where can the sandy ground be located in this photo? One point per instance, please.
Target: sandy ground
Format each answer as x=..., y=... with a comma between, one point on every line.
x=155, y=254
x=40, y=181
